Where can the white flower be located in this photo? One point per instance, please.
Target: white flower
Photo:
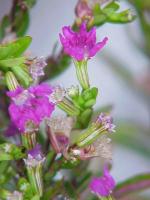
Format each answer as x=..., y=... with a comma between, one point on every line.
x=23, y=187
x=103, y=147
x=61, y=124
x=7, y=148
x=58, y=94
x=33, y=162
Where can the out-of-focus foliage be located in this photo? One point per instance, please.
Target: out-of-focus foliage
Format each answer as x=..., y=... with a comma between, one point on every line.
x=143, y=12
x=18, y=19
x=132, y=185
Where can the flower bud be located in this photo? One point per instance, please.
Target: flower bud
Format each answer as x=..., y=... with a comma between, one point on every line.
x=73, y=91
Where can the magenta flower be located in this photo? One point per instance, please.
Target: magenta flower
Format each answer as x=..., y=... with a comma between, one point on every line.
x=11, y=130
x=81, y=45
x=29, y=107
x=102, y=186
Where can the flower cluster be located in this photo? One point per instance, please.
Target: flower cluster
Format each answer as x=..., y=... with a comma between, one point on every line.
x=102, y=186
x=35, y=157
x=30, y=106
x=81, y=45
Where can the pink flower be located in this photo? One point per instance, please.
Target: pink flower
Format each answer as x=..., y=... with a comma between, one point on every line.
x=37, y=67
x=11, y=130
x=83, y=10
x=81, y=45
x=102, y=186
x=29, y=107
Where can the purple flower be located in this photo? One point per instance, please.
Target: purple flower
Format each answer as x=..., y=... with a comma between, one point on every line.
x=35, y=151
x=102, y=186
x=35, y=157
x=29, y=107
x=81, y=45
x=106, y=121
x=11, y=130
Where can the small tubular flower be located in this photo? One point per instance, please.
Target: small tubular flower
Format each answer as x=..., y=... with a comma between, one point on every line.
x=83, y=10
x=35, y=157
x=81, y=45
x=102, y=125
x=34, y=163
x=29, y=107
x=102, y=186
x=59, y=132
x=37, y=67
x=100, y=148
x=106, y=122
x=59, y=98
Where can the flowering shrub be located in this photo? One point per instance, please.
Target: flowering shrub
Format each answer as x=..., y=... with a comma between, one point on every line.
x=38, y=149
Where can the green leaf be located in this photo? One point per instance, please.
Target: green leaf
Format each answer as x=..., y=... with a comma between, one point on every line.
x=22, y=76
x=51, y=192
x=90, y=103
x=4, y=166
x=10, y=151
x=109, y=14
x=15, y=48
x=99, y=16
x=4, y=193
x=8, y=173
x=36, y=197
x=111, y=7
x=83, y=180
x=122, y=17
x=21, y=23
x=25, y=187
x=11, y=62
x=131, y=185
x=3, y=25
x=85, y=117
x=70, y=189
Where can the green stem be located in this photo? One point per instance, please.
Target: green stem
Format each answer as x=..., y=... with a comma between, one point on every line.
x=11, y=81
x=68, y=107
x=82, y=73
x=89, y=136
x=35, y=178
x=29, y=140
x=107, y=198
